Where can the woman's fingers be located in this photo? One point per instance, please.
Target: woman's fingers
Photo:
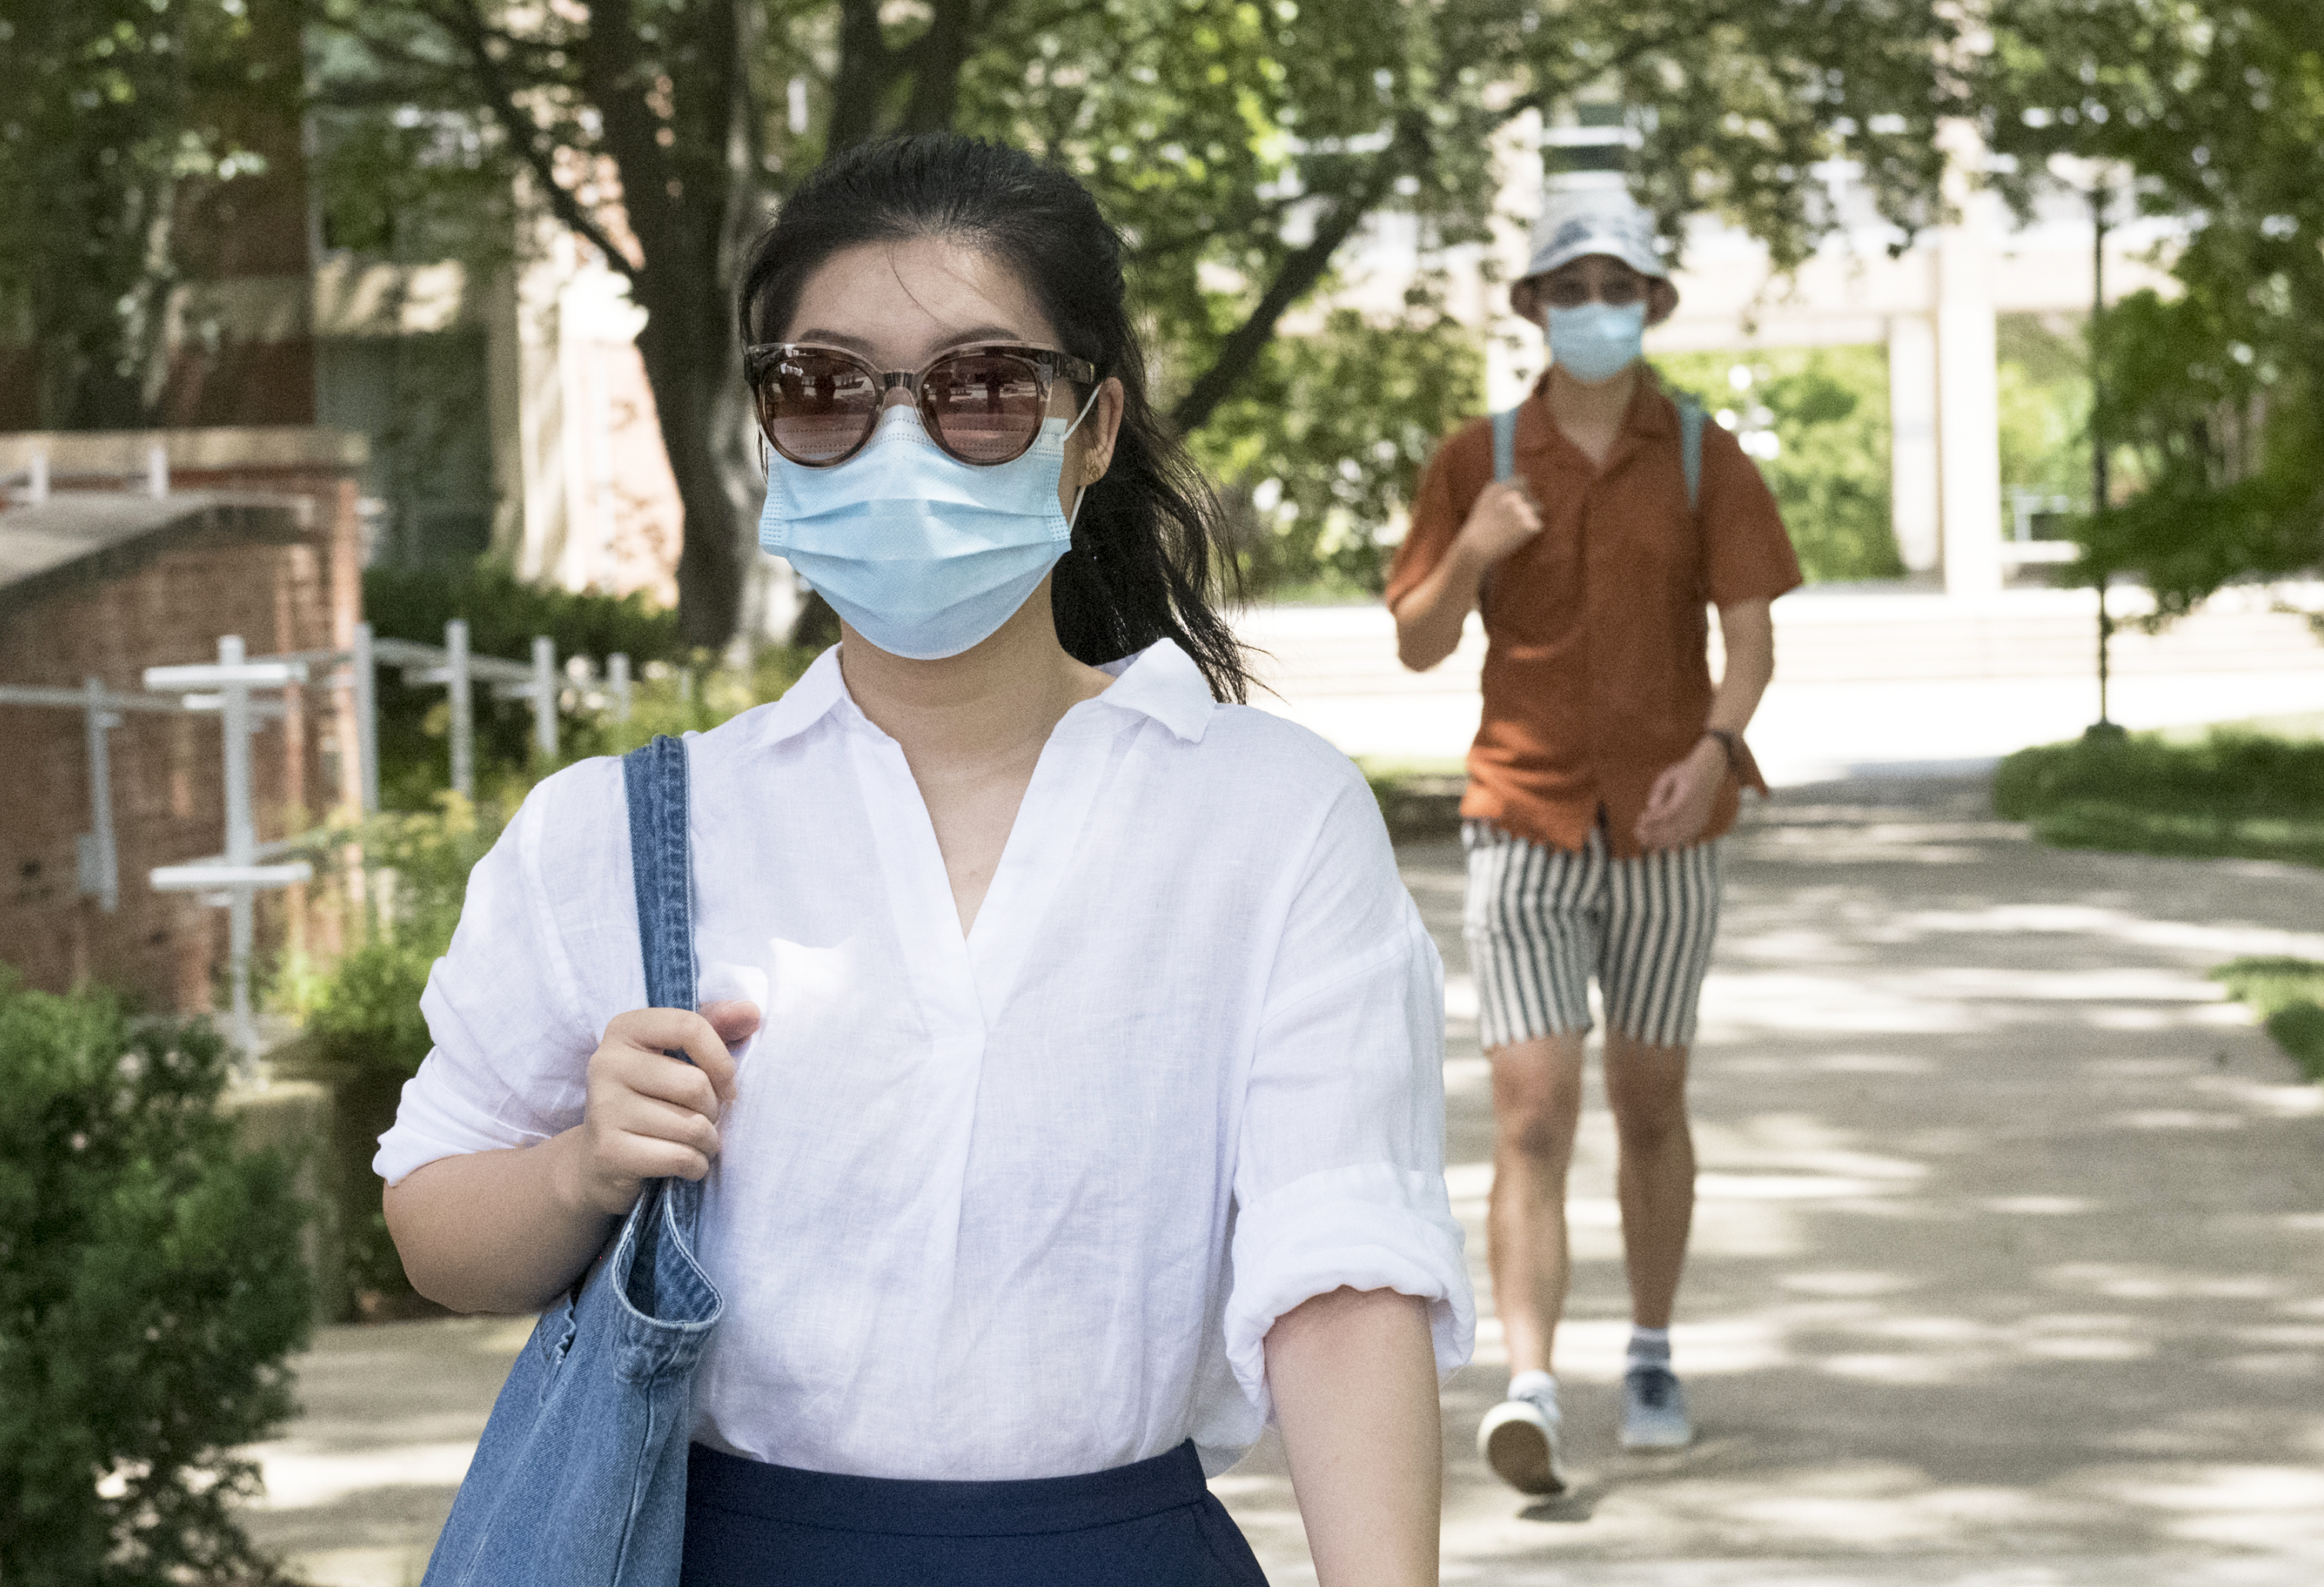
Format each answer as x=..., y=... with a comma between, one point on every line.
x=650, y=1115
x=649, y=1157
x=666, y=1030
x=652, y=1073
x=734, y=1021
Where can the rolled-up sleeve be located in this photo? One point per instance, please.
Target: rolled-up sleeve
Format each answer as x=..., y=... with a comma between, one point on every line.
x=512, y=1036
x=1340, y=1172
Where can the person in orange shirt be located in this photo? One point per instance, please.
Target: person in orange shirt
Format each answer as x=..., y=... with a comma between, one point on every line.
x=1591, y=528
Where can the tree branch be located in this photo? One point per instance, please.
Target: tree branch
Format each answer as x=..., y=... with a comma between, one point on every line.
x=1301, y=269
x=467, y=25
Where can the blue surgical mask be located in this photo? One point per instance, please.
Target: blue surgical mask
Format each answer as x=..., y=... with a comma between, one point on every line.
x=924, y=556
x=1596, y=341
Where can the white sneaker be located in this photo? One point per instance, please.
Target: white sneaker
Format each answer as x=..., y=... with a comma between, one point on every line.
x=1519, y=1440
x=1654, y=1409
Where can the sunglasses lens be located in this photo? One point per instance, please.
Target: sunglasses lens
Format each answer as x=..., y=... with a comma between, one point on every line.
x=817, y=408
x=983, y=407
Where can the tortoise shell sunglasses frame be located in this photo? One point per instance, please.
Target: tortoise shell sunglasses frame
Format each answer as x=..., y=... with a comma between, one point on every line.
x=819, y=405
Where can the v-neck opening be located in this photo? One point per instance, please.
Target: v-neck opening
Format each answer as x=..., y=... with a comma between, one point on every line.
x=986, y=959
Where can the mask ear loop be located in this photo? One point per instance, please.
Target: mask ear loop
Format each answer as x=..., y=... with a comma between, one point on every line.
x=1072, y=517
x=1076, y=424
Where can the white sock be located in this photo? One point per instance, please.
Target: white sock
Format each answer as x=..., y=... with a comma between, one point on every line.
x=1538, y=1386
x=1650, y=1347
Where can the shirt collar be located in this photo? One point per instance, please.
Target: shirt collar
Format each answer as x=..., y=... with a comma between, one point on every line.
x=1651, y=412
x=1161, y=681
x=819, y=692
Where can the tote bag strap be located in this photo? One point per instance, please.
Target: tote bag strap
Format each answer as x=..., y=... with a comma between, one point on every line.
x=661, y=867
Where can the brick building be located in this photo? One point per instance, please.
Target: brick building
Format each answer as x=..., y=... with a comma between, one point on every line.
x=104, y=583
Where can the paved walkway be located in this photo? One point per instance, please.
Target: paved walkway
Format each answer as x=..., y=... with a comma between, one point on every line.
x=2009, y=1268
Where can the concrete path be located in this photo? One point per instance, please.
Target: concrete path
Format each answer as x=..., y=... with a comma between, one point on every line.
x=2009, y=1268
x=1865, y=676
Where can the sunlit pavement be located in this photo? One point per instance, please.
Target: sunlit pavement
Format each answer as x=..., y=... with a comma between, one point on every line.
x=2008, y=1271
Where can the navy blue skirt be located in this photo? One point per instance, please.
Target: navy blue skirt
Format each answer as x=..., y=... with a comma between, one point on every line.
x=1155, y=1524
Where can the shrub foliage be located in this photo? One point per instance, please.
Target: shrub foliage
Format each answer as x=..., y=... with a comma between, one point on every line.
x=2288, y=994
x=2235, y=793
x=151, y=1289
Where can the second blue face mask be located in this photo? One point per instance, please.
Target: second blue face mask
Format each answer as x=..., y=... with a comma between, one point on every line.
x=922, y=555
x=1596, y=341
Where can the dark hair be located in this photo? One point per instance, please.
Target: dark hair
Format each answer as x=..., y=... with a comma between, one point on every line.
x=1142, y=565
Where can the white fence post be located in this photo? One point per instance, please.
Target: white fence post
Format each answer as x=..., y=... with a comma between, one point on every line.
x=101, y=871
x=157, y=471
x=241, y=831
x=367, y=704
x=39, y=489
x=617, y=683
x=464, y=720
x=235, y=877
x=544, y=695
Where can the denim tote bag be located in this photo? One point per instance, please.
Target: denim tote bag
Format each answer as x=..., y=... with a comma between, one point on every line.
x=580, y=1480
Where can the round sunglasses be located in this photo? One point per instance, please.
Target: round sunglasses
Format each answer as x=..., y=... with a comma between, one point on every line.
x=983, y=405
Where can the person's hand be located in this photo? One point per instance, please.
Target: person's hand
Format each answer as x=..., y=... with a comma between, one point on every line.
x=650, y=1116
x=1679, y=804
x=1504, y=517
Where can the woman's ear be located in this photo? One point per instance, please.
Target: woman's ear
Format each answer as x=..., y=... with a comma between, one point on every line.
x=1661, y=301
x=1525, y=300
x=1103, y=427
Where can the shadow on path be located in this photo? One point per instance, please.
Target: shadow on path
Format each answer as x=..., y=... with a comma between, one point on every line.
x=2006, y=1267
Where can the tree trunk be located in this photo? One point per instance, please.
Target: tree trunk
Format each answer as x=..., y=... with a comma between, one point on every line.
x=710, y=557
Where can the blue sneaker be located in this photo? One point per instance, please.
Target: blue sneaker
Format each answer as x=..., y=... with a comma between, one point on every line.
x=1654, y=1408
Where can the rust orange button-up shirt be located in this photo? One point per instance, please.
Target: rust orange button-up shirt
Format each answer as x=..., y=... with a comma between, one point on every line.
x=1596, y=671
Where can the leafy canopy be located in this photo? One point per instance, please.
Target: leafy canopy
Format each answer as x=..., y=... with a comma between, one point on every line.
x=2213, y=402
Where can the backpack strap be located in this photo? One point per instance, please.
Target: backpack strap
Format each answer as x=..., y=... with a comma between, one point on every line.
x=661, y=869
x=1689, y=449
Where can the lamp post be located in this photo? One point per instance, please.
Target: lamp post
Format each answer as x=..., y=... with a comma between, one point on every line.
x=2105, y=727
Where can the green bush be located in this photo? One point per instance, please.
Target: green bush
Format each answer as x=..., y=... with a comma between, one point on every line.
x=150, y=1290
x=1826, y=410
x=362, y=1033
x=2288, y=996
x=2235, y=793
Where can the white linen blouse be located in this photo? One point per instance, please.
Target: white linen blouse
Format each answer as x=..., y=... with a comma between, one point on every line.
x=1025, y=1203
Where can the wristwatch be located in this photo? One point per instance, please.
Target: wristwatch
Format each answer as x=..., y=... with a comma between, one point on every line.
x=1739, y=759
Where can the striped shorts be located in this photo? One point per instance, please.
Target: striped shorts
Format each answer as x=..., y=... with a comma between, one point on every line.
x=1540, y=921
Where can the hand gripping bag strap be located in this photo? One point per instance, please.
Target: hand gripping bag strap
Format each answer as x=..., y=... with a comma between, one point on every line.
x=580, y=1478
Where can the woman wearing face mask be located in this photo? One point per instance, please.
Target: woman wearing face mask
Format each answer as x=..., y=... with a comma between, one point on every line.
x=1067, y=1084
x=1591, y=531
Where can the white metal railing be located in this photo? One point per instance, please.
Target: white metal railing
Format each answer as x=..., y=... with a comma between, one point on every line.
x=233, y=877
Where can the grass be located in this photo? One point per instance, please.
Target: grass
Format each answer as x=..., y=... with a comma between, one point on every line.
x=2288, y=994
x=1417, y=798
x=2232, y=793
